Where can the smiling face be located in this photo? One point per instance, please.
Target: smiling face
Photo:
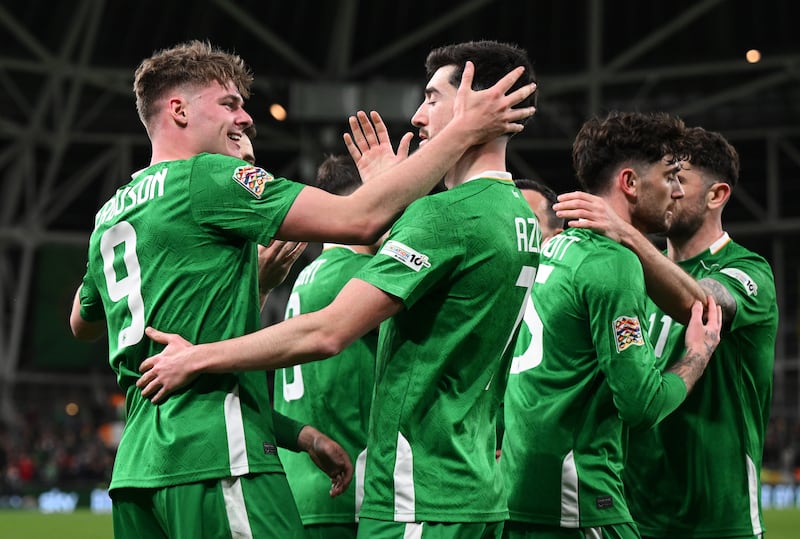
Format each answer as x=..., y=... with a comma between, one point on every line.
x=216, y=117
x=437, y=110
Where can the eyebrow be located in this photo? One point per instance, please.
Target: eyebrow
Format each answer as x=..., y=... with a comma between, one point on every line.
x=431, y=90
x=236, y=97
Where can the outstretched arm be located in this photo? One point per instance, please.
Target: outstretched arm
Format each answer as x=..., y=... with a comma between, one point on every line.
x=357, y=309
x=671, y=288
x=361, y=217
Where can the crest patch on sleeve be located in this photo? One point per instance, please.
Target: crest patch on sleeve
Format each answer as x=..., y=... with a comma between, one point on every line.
x=748, y=283
x=254, y=179
x=628, y=332
x=406, y=255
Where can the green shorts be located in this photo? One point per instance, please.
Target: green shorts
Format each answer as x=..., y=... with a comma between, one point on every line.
x=384, y=529
x=525, y=530
x=257, y=505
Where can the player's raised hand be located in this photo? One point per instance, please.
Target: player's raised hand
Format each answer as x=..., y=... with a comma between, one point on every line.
x=489, y=113
x=370, y=146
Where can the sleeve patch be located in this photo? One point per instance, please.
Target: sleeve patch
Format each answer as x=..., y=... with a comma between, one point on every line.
x=254, y=179
x=749, y=284
x=628, y=332
x=406, y=255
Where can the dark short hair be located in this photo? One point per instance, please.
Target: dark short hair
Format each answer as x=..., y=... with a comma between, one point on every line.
x=338, y=174
x=710, y=151
x=553, y=220
x=492, y=60
x=640, y=138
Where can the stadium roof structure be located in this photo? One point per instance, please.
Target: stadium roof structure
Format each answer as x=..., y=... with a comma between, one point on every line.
x=70, y=134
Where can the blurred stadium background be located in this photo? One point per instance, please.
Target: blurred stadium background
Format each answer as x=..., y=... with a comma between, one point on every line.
x=69, y=135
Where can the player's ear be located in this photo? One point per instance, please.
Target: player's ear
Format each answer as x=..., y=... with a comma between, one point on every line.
x=628, y=181
x=718, y=195
x=177, y=110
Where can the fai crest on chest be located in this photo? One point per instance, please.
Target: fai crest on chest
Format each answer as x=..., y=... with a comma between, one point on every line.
x=254, y=179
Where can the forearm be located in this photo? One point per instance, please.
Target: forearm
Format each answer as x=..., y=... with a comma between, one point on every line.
x=383, y=198
x=289, y=432
x=643, y=410
x=298, y=340
x=690, y=367
x=671, y=288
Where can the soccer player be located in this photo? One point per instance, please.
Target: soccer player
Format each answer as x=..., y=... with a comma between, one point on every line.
x=335, y=393
x=449, y=285
x=540, y=198
x=568, y=420
x=697, y=473
x=176, y=248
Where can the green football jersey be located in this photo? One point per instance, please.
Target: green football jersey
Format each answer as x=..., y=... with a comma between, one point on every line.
x=176, y=249
x=571, y=399
x=697, y=473
x=334, y=394
x=462, y=262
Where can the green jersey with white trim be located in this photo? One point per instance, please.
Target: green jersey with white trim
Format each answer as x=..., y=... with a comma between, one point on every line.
x=176, y=249
x=462, y=262
x=697, y=473
x=334, y=394
x=570, y=401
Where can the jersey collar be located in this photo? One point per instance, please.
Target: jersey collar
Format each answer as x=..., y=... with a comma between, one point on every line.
x=492, y=175
x=717, y=246
x=327, y=246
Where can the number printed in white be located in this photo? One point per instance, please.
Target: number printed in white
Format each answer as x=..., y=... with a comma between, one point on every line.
x=666, y=323
x=294, y=389
x=527, y=275
x=130, y=286
x=532, y=356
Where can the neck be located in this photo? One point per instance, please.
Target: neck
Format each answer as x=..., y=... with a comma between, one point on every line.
x=489, y=156
x=619, y=203
x=684, y=248
x=170, y=143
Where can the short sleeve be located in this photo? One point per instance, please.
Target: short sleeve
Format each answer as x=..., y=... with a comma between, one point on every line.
x=90, y=300
x=416, y=256
x=751, y=283
x=233, y=197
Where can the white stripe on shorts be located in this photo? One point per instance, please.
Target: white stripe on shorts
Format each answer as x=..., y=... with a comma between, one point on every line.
x=413, y=530
x=235, y=508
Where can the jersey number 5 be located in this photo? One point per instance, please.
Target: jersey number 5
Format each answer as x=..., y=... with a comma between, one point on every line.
x=532, y=356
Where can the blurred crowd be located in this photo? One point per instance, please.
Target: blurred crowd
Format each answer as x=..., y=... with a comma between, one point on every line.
x=78, y=452
x=63, y=451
